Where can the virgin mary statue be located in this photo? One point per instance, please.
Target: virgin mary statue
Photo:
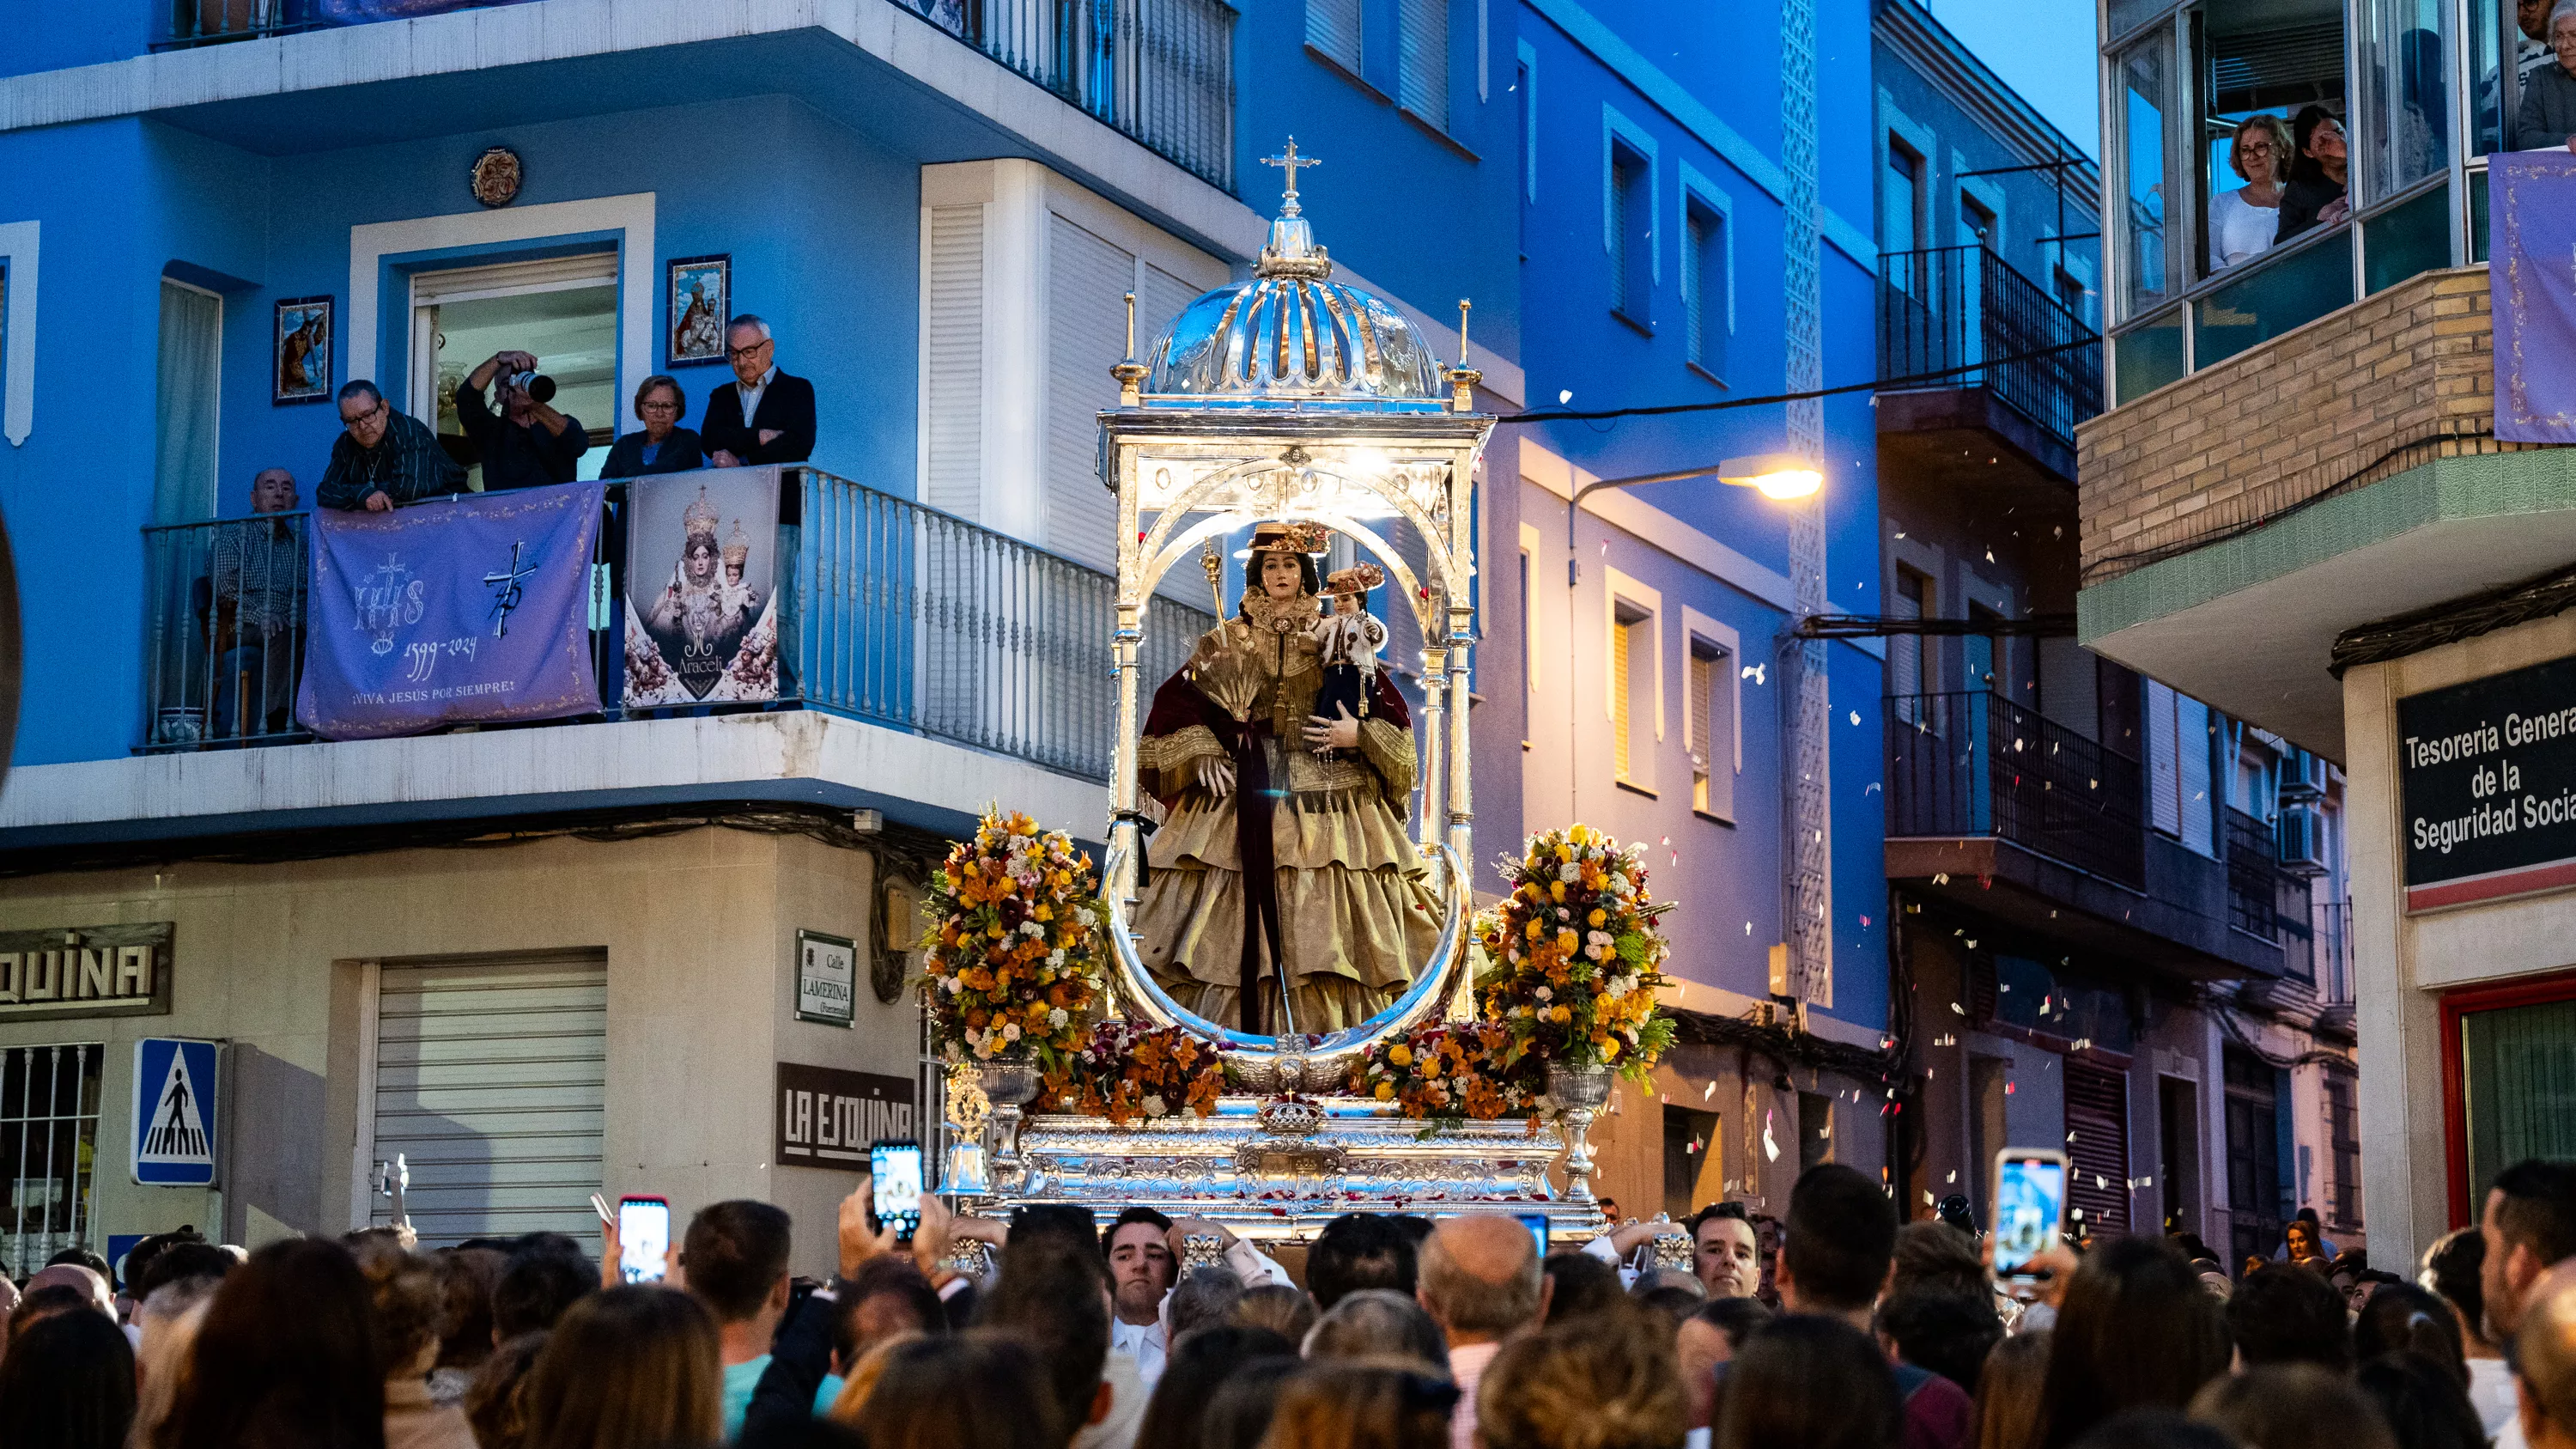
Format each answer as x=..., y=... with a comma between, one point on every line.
x=1283, y=860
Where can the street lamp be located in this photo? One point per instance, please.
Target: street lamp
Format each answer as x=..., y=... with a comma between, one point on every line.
x=1782, y=476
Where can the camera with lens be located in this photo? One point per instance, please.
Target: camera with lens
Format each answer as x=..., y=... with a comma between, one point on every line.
x=538, y=386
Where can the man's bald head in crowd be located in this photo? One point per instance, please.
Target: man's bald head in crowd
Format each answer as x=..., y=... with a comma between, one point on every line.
x=1480, y=1278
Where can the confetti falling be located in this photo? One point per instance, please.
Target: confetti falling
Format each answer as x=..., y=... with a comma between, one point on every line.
x=1770, y=1147
x=1565, y=397
x=1855, y=716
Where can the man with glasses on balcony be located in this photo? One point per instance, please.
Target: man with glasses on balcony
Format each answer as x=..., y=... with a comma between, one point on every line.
x=253, y=598
x=383, y=458
x=763, y=415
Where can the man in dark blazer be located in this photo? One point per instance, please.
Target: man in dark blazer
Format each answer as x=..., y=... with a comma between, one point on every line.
x=763, y=415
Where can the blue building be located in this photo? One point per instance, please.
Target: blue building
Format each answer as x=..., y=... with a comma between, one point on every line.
x=531, y=962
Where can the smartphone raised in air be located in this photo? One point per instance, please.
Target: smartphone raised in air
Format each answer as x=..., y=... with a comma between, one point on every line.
x=896, y=1166
x=1537, y=1225
x=2030, y=1206
x=643, y=1238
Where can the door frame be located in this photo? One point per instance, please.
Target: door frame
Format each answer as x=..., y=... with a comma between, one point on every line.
x=2455, y=1006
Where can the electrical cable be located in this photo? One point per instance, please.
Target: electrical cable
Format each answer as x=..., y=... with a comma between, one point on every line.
x=1876, y=384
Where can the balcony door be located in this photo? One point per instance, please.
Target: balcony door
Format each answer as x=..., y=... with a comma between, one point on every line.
x=188, y=406
x=563, y=309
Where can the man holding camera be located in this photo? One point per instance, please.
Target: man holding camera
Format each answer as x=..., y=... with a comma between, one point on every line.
x=530, y=444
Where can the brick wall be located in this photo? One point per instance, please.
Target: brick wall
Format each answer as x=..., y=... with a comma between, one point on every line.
x=2306, y=413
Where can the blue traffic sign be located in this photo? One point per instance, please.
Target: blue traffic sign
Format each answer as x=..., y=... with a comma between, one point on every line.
x=174, y=1112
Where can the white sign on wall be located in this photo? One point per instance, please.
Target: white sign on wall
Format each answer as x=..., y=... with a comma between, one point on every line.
x=827, y=978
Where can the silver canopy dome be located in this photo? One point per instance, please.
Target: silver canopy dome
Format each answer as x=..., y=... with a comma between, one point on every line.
x=1292, y=336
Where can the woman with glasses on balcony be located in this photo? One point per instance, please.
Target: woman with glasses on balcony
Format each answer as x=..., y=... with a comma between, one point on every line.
x=2547, y=119
x=664, y=446
x=2315, y=195
x=2243, y=222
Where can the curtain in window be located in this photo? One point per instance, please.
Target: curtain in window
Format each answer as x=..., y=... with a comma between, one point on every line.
x=192, y=325
x=2521, y=1068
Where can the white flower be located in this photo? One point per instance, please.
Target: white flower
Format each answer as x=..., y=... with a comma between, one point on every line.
x=1545, y=993
x=949, y=984
x=1598, y=938
x=1597, y=951
x=1056, y=957
x=1032, y=928
x=1569, y=872
x=1011, y=1031
x=1154, y=1105
x=1057, y=1018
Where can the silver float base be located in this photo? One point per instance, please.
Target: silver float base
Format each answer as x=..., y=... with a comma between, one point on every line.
x=1272, y=1187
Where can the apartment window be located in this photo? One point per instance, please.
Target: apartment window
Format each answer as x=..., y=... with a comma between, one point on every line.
x=1901, y=202
x=1529, y=648
x=1632, y=692
x=1524, y=76
x=1712, y=728
x=2343, y=1141
x=1422, y=59
x=49, y=1099
x=1909, y=674
x=1632, y=234
x=1976, y=222
x=187, y=406
x=1333, y=31
x=1707, y=295
x=1693, y=1174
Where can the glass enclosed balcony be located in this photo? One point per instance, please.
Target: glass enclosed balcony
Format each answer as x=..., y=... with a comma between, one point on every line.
x=2275, y=160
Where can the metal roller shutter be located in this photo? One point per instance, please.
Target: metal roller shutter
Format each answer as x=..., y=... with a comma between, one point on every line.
x=2097, y=1146
x=490, y=1083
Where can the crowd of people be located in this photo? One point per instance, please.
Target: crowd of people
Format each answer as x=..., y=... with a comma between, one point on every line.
x=1044, y=1331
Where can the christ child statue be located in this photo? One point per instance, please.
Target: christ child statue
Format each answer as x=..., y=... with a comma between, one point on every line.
x=1349, y=637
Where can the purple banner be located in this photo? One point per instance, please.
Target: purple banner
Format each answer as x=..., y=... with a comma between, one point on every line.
x=2531, y=281
x=465, y=610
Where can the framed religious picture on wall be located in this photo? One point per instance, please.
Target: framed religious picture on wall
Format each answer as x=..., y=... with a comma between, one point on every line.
x=302, y=371
x=701, y=294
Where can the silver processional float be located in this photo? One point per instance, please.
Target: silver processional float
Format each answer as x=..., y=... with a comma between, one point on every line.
x=1295, y=402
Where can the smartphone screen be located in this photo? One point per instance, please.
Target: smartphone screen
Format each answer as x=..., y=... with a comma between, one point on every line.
x=2030, y=1205
x=897, y=1169
x=643, y=1238
x=1537, y=1225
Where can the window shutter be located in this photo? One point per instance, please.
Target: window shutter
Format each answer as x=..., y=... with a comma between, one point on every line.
x=1333, y=27
x=1087, y=284
x=1695, y=287
x=2192, y=784
x=1422, y=78
x=1703, y=689
x=1622, y=711
x=953, y=362
x=2097, y=1147
x=1905, y=651
x=2163, y=771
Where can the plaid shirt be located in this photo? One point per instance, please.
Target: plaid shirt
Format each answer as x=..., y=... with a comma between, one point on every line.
x=406, y=465
x=258, y=563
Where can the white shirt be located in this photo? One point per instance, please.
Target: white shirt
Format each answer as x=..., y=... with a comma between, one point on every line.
x=751, y=395
x=1600, y=1247
x=1467, y=1369
x=2238, y=229
x=1143, y=1344
x=1127, y=1396
x=2492, y=1394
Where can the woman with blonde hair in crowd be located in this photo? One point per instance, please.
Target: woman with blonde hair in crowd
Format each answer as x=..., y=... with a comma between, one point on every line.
x=628, y=1367
x=408, y=1307
x=1365, y=1404
x=1606, y=1382
x=2008, y=1392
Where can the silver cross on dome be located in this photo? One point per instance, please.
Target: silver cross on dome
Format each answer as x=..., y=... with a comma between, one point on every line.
x=1290, y=162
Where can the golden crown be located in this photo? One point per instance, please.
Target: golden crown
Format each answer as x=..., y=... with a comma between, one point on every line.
x=699, y=517
x=1357, y=579
x=737, y=545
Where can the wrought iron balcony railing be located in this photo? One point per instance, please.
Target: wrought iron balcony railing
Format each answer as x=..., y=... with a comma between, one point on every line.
x=894, y=613
x=1160, y=71
x=1971, y=763
x=2259, y=898
x=1963, y=312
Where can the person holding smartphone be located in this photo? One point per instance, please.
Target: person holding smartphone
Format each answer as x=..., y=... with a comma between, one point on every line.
x=1147, y=1253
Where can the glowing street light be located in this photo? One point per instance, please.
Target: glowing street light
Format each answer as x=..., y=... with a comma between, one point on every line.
x=1775, y=475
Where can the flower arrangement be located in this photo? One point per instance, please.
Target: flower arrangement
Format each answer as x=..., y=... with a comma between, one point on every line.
x=1126, y=1071
x=1013, y=962
x=1572, y=956
x=1457, y=1069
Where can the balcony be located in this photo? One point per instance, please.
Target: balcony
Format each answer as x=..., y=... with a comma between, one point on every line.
x=1161, y=72
x=2007, y=373
x=2343, y=473
x=2003, y=812
x=900, y=616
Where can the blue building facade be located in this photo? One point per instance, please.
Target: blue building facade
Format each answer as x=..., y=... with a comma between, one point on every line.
x=940, y=211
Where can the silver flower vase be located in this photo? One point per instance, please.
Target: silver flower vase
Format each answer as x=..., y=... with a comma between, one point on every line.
x=1008, y=1082
x=1579, y=1093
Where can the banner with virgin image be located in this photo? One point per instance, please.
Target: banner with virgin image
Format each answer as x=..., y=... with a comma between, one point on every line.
x=702, y=588
x=466, y=610
x=2531, y=288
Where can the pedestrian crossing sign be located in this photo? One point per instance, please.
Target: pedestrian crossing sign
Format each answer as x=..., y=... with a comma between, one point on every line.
x=174, y=1112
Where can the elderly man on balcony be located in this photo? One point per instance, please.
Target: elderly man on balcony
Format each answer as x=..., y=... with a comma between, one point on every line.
x=763, y=415
x=383, y=458
x=253, y=605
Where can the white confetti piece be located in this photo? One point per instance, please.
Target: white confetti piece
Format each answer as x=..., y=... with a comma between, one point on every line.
x=1707, y=1092
x=1954, y=1177
x=1927, y=1194
x=2100, y=1183
x=1954, y=1006
x=1770, y=1148
x=1565, y=397
x=1942, y=879
x=1855, y=716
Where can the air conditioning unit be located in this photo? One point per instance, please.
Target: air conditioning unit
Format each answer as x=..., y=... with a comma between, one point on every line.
x=2299, y=834
x=2303, y=778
